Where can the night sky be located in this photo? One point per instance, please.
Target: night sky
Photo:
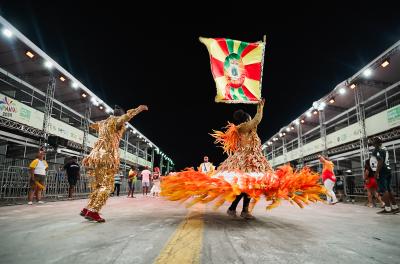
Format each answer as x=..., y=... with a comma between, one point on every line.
x=151, y=55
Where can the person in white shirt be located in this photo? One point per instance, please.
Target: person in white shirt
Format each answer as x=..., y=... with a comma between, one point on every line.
x=206, y=167
x=146, y=180
x=37, y=170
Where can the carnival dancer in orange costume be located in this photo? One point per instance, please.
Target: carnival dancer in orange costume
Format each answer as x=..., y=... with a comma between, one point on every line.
x=103, y=161
x=245, y=173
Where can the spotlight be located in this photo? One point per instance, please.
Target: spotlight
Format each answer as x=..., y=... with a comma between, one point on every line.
x=7, y=33
x=280, y=134
x=29, y=54
x=385, y=63
x=342, y=91
x=332, y=100
x=62, y=78
x=315, y=112
x=101, y=107
x=48, y=65
x=352, y=86
x=94, y=101
x=84, y=95
x=288, y=129
x=308, y=114
x=367, y=72
x=292, y=128
x=302, y=121
x=297, y=122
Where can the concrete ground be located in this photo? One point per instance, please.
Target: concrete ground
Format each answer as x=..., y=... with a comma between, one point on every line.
x=151, y=230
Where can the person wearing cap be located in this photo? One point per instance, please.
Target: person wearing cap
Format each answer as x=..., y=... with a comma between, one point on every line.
x=103, y=161
x=384, y=177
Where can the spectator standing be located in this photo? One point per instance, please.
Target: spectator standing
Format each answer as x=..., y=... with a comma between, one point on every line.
x=37, y=169
x=384, y=177
x=146, y=173
x=132, y=178
x=72, y=169
x=117, y=183
x=370, y=183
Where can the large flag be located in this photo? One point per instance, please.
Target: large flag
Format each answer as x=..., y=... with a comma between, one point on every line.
x=237, y=69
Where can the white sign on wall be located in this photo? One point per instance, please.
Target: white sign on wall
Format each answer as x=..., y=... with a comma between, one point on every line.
x=21, y=113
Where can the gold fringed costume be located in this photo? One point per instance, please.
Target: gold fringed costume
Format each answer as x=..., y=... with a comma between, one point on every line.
x=103, y=161
x=245, y=170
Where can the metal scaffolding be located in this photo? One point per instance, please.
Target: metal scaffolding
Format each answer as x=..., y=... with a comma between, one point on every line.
x=48, y=107
x=322, y=126
x=85, y=126
x=360, y=112
x=300, y=144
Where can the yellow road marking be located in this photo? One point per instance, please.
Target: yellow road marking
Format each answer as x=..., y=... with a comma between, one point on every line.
x=185, y=244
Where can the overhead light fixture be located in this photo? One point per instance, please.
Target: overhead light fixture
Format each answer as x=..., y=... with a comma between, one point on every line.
x=332, y=100
x=352, y=86
x=280, y=134
x=84, y=95
x=321, y=106
x=308, y=114
x=284, y=134
x=342, y=90
x=315, y=112
x=302, y=121
x=367, y=72
x=297, y=122
x=8, y=33
x=94, y=101
x=101, y=107
x=292, y=127
x=385, y=63
x=48, y=64
x=74, y=85
x=29, y=54
x=288, y=129
x=275, y=139
x=62, y=78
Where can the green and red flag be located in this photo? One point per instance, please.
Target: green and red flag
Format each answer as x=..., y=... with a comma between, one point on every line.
x=237, y=69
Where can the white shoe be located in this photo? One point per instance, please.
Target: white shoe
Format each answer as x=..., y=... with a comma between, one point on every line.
x=40, y=202
x=30, y=203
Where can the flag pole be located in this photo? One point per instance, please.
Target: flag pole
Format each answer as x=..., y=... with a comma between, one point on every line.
x=262, y=62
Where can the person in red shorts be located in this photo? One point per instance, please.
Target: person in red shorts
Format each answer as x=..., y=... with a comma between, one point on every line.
x=370, y=182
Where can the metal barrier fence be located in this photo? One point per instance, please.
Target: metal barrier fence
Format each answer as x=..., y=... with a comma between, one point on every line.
x=354, y=185
x=14, y=185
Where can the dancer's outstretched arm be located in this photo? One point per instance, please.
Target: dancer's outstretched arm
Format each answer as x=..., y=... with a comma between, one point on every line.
x=129, y=115
x=253, y=123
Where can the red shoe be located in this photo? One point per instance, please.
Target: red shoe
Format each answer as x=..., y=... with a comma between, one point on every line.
x=94, y=216
x=83, y=212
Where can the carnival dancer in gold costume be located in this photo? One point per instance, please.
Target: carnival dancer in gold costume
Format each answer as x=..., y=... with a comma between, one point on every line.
x=245, y=173
x=103, y=161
